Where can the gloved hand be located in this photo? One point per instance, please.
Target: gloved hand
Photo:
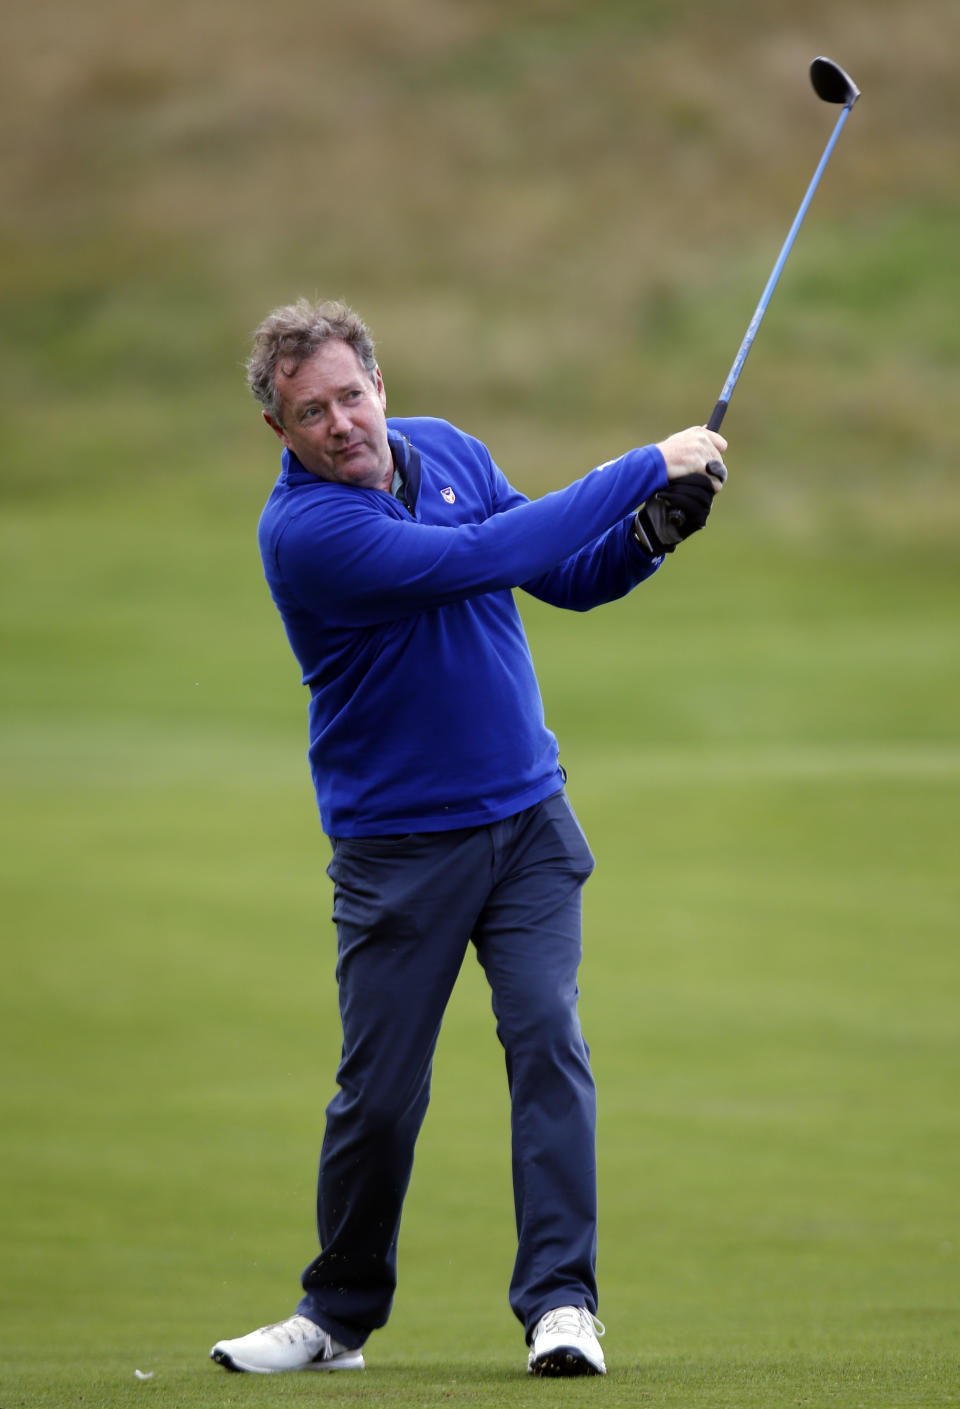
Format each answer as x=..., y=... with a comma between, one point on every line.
x=672, y=514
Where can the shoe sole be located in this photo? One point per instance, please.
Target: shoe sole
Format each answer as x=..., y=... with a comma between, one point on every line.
x=564, y=1361
x=352, y=1361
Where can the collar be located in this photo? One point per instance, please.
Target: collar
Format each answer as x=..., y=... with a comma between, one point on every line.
x=406, y=460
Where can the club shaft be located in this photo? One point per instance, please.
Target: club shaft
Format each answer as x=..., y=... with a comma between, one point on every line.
x=720, y=410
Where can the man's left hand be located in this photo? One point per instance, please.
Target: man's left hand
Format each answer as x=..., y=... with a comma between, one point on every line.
x=672, y=514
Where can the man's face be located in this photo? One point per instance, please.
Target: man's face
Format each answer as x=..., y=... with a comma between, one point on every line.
x=334, y=418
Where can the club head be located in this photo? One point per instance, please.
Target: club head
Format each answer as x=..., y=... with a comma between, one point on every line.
x=831, y=83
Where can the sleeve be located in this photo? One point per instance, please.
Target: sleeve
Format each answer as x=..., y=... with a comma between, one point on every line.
x=356, y=565
x=607, y=568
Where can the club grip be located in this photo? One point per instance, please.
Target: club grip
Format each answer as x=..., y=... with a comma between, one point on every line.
x=717, y=415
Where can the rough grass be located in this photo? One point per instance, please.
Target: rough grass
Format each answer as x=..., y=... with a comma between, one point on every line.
x=558, y=219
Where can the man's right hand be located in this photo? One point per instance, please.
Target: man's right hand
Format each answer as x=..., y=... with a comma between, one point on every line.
x=690, y=451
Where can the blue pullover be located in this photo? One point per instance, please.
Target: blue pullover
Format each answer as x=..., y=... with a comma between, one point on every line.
x=425, y=712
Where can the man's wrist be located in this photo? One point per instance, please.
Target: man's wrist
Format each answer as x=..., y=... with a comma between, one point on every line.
x=641, y=539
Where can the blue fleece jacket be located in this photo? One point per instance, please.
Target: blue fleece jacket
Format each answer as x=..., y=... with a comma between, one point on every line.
x=425, y=713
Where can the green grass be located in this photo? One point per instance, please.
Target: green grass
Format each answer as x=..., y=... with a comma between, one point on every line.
x=763, y=751
x=558, y=219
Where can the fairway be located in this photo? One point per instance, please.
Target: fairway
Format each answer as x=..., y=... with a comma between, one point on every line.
x=557, y=218
x=769, y=989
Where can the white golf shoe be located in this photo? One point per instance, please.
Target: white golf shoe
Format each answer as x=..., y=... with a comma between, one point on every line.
x=294, y=1344
x=564, y=1342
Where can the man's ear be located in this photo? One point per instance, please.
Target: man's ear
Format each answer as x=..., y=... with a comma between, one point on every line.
x=381, y=389
x=275, y=426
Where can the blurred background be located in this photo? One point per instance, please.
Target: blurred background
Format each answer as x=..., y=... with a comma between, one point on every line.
x=557, y=218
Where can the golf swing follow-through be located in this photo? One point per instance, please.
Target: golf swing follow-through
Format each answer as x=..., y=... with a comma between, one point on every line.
x=833, y=85
x=392, y=548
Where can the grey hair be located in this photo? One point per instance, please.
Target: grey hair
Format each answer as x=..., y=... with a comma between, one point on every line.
x=289, y=335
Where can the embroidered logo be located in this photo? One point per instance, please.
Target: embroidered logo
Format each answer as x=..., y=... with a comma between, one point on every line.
x=448, y=494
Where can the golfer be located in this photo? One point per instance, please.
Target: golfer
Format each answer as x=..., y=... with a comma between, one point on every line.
x=391, y=548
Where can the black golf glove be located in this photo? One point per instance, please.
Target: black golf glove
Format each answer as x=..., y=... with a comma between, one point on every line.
x=672, y=514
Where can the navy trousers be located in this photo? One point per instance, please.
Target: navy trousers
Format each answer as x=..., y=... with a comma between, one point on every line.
x=406, y=909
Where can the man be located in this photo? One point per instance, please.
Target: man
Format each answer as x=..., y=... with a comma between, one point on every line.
x=391, y=548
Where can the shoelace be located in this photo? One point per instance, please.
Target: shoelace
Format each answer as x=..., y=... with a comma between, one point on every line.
x=296, y=1330
x=564, y=1320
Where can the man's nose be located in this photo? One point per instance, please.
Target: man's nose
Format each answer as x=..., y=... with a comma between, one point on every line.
x=340, y=423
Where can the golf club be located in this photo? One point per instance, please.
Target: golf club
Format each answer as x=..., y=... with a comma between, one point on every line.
x=833, y=85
